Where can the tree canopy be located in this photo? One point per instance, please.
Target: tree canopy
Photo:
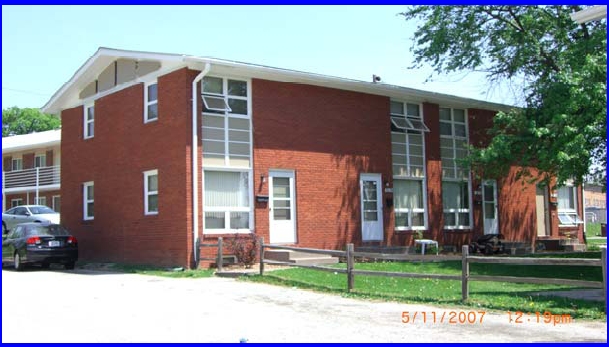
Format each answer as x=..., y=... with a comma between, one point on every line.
x=561, y=66
x=19, y=121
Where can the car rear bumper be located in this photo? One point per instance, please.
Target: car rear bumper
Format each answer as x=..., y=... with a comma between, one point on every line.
x=51, y=256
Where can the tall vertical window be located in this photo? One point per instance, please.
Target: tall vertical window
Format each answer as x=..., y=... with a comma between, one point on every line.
x=17, y=164
x=151, y=110
x=226, y=137
x=40, y=160
x=567, y=206
x=408, y=158
x=88, y=201
x=455, y=176
x=57, y=203
x=89, y=121
x=151, y=192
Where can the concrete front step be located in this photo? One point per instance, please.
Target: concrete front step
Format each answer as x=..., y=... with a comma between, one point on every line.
x=299, y=257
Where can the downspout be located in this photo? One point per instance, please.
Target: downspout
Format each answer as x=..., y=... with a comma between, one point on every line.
x=195, y=164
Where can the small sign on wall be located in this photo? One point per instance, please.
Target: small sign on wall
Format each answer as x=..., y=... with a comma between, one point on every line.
x=262, y=198
x=388, y=190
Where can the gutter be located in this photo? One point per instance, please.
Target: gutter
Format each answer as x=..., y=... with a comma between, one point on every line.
x=195, y=165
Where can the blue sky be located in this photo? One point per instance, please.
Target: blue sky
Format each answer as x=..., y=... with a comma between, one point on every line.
x=42, y=46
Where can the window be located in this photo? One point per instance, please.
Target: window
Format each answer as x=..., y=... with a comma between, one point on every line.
x=16, y=202
x=407, y=116
x=567, y=206
x=88, y=200
x=57, y=203
x=89, y=121
x=408, y=159
x=40, y=160
x=455, y=176
x=408, y=204
x=151, y=192
x=227, y=202
x=17, y=164
x=226, y=124
x=42, y=200
x=455, y=201
x=151, y=110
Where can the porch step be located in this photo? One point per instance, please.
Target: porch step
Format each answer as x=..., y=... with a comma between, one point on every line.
x=580, y=247
x=299, y=257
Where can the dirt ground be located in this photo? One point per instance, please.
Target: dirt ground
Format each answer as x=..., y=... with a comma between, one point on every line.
x=93, y=306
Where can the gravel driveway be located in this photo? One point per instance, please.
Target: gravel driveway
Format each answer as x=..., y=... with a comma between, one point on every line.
x=91, y=306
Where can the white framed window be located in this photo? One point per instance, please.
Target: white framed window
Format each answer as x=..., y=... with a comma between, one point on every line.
x=151, y=192
x=227, y=201
x=151, y=110
x=456, y=185
x=88, y=201
x=226, y=124
x=89, y=121
x=408, y=162
x=16, y=164
x=40, y=160
x=456, y=204
x=567, y=207
x=42, y=200
x=56, y=203
x=16, y=202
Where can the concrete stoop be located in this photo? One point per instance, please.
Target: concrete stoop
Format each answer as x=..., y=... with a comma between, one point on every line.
x=299, y=257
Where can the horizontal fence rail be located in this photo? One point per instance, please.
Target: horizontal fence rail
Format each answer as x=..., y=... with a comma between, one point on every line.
x=36, y=177
x=465, y=259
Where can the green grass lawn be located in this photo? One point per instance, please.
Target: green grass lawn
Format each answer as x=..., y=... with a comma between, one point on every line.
x=499, y=296
x=593, y=229
x=163, y=272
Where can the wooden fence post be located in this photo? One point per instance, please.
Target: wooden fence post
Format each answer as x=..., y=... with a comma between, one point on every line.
x=604, y=265
x=350, y=267
x=464, y=272
x=219, y=259
x=261, y=256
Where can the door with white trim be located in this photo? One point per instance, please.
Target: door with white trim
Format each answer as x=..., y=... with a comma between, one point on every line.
x=489, y=207
x=282, y=208
x=371, y=207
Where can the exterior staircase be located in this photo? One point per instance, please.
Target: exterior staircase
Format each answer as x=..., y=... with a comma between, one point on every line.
x=298, y=257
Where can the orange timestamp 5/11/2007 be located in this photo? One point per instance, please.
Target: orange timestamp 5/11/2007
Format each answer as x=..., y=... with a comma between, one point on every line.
x=444, y=317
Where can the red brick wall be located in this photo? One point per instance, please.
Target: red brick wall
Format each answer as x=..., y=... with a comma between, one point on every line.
x=328, y=137
x=115, y=159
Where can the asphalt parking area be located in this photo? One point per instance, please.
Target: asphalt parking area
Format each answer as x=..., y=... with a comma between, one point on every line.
x=93, y=306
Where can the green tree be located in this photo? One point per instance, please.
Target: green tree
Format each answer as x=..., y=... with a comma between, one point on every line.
x=561, y=66
x=19, y=121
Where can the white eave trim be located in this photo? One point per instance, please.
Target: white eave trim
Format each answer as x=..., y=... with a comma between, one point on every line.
x=590, y=14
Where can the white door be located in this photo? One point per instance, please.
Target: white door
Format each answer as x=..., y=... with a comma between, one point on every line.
x=282, y=210
x=489, y=207
x=541, y=204
x=372, y=207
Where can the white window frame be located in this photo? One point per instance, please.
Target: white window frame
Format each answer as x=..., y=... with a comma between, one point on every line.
x=409, y=168
x=38, y=162
x=148, y=193
x=54, y=199
x=568, y=217
x=86, y=201
x=228, y=210
x=148, y=103
x=86, y=121
x=407, y=119
x=456, y=168
x=19, y=165
x=41, y=200
x=16, y=202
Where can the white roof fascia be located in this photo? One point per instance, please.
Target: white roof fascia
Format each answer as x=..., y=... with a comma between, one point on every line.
x=590, y=14
x=104, y=56
x=42, y=139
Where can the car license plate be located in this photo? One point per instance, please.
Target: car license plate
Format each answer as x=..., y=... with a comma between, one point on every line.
x=54, y=243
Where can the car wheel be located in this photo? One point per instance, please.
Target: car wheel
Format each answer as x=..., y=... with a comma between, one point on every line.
x=45, y=265
x=17, y=262
x=69, y=266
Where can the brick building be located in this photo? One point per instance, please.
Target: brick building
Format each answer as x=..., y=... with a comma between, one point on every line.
x=162, y=151
x=31, y=166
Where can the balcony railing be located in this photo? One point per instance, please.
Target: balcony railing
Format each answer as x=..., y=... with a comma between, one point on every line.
x=36, y=178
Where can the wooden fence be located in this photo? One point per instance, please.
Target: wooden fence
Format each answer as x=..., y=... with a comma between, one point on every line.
x=219, y=258
x=349, y=254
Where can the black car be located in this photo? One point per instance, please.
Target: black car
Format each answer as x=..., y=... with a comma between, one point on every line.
x=39, y=243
